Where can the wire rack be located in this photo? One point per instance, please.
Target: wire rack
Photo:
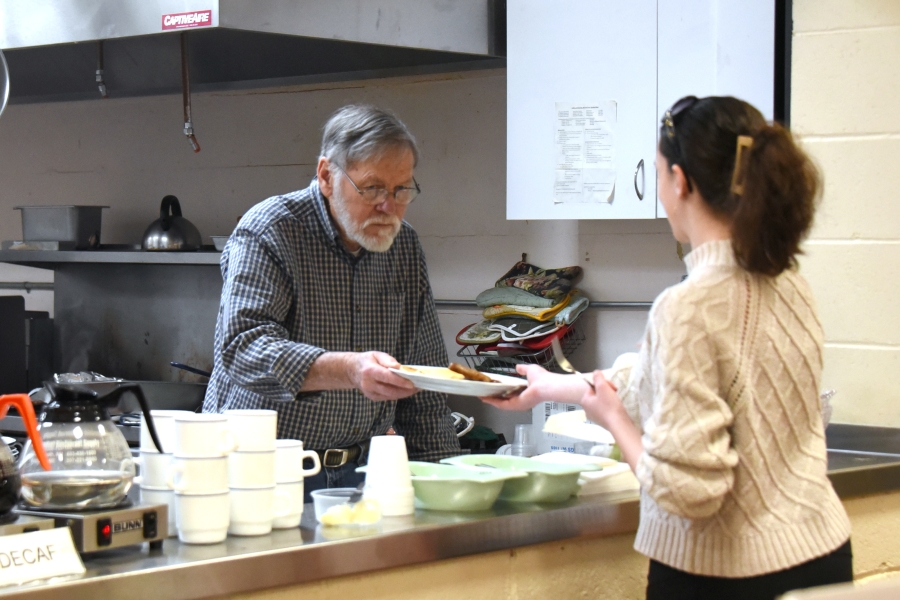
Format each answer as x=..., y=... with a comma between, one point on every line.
x=506, y=365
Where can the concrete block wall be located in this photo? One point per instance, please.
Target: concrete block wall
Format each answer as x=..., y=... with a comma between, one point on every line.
x=845, y=96
x=129, y=153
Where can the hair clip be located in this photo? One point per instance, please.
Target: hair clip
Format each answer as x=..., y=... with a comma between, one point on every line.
x=744, y=143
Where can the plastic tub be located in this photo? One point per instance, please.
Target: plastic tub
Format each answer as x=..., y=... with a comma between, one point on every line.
x=325, y=499
x=75, y=225
x=545, y=481
x=448, y=487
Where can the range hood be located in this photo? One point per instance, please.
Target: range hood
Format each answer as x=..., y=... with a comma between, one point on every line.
x=53, y=46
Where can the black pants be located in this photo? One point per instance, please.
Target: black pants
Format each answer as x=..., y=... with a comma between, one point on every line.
x=666, y=583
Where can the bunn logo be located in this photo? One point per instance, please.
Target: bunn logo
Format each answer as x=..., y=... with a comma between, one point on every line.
x=198, y=18
x=131, y=525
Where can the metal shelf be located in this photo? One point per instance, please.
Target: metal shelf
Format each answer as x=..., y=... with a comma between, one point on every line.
x=48, y=259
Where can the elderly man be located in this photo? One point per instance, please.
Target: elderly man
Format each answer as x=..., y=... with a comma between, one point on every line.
x=325, y=289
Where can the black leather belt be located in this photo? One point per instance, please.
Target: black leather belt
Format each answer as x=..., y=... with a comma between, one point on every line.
x=338, y=457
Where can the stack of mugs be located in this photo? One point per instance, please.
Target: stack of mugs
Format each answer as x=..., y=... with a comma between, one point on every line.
x=289, y=474
x=155, y=465
x=199, y=477
x=388, y=479
x=255, y=500
x=226, y=474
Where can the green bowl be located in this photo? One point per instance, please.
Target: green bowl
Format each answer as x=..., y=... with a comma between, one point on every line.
x=544, y=481
x=449, y=487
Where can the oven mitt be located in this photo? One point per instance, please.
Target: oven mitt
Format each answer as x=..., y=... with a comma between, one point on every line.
x=512, y=295
x=576, y=305
x=512, y=310
x=514, y=329
x=546, y=283
x=477, y=333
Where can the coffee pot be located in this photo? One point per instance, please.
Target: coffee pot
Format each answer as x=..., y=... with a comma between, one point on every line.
x=91, y=466
x=10, y=484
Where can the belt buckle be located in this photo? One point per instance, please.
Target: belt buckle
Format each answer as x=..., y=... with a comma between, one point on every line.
x=335, y=457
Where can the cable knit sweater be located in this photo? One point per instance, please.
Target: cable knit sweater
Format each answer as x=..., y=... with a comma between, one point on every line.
x=725, y=391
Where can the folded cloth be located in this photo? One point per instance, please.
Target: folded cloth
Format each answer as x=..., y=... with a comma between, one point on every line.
x=477, y=333
x=541, y=314
x=577, y=303
x=512, y=295
x=516, y=329
x=539, y=343
x=547, y=283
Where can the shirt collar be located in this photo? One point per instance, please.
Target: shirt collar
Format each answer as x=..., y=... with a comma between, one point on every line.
x=717, y=253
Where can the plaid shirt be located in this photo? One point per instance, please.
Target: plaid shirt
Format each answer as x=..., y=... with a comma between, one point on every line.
x=291, y=291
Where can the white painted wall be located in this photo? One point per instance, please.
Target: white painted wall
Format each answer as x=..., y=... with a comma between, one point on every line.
x=844, y=99
x=129, y=153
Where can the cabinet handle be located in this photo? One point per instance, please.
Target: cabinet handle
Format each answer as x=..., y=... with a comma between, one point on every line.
x=640, y=168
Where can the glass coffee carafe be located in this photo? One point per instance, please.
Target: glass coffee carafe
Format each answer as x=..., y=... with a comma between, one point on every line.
x=10, y=483
x=91, y=466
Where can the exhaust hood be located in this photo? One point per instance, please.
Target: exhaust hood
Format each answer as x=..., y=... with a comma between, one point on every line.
x=53, y=46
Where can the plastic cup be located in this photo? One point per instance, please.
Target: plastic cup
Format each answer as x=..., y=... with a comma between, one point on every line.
x=326, y=498
x=388, y=478
x=523, y=443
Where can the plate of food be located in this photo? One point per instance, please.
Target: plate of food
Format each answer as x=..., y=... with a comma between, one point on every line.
x=457, y=379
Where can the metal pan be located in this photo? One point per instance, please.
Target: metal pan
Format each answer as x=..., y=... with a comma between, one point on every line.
x=4, y=82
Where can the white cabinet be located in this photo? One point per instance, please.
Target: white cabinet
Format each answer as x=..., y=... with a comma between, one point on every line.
x=642, y=54
x=580, y=51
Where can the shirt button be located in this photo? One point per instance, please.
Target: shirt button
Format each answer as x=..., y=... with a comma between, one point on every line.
x=358, y=349
x=356, y=430
x=359, y=308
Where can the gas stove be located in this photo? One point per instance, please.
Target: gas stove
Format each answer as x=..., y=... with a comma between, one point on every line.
x=106, y=529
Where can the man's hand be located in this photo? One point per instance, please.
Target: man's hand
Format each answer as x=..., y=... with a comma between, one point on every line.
x=370, y=374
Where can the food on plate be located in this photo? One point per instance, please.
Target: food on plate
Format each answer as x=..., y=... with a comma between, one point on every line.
x=470, y=374
x=442, y=372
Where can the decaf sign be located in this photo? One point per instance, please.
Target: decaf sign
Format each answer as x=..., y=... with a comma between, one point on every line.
x=38, y=555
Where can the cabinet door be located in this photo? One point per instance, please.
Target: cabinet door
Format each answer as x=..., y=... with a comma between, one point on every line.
x=580, y=52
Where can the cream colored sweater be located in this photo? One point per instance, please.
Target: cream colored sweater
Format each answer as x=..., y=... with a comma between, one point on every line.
x=725, y=391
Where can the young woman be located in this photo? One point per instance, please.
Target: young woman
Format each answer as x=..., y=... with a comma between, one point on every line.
x=719, y=413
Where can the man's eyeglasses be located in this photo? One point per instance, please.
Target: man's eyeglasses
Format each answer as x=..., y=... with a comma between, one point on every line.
x=679, y=107
x=375, y=195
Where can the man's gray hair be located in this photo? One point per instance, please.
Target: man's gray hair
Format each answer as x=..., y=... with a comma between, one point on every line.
x=359, y=132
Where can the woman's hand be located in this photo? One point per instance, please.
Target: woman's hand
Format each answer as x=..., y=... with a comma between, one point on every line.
x=603, y=406
x=542, y=386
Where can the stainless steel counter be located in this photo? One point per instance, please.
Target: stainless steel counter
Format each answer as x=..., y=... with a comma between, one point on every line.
x=311, y=552
x=862, y=461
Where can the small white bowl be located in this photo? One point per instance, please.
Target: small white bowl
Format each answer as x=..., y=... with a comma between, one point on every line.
x=219, y=241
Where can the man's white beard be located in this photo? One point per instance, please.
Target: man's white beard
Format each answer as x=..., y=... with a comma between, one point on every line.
x=356, y=231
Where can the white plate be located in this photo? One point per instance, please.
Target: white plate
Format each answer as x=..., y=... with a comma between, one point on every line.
x=435, y=380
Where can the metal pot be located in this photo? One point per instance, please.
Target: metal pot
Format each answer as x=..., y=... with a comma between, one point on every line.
x=4, y=82
x=171, y=231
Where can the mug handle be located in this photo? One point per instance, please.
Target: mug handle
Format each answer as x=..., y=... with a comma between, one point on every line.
x=317, y=465
x=282, y=503
x=229, y=443
x=170, y=478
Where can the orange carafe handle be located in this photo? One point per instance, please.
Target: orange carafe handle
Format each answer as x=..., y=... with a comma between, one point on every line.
x=23, y=404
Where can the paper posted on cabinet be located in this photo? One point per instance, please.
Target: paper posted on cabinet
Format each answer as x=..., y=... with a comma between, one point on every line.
x=585, y=152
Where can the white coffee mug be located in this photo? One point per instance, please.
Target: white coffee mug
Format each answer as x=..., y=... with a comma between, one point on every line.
x=251, y=469
x=253, y=429
x=155, y=495
x=294, y=492
x=154, y=468
x=203, y=435
x=206, y=475
x=289, y=455
x=202, y=518
x=164, y=423
x=254, y=510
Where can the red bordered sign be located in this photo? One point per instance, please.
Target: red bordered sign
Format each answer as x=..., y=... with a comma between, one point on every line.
x=197, y=18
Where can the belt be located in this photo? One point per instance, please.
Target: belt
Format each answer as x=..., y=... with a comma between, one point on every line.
x=338, y=457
